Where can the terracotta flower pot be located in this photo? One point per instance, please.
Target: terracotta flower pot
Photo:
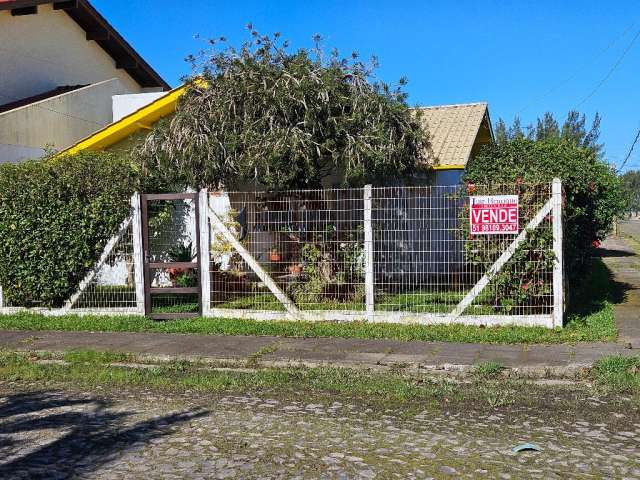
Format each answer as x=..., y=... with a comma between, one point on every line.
x=295, y=269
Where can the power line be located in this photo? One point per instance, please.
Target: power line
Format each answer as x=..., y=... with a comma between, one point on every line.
x=611, y=70
x=579, y=70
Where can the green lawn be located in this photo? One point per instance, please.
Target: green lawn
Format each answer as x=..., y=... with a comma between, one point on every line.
x=590, y=319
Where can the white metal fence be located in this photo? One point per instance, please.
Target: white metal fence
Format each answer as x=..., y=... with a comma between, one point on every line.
x=392, y=254
x=395, y=254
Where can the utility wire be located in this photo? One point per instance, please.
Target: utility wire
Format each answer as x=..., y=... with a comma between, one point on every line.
x=611, y=70
x=578, y=71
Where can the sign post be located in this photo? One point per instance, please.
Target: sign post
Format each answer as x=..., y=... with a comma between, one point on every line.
x=494, y=215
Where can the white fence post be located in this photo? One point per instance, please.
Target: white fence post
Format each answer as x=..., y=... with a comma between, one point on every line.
x=368, y=256
x=558, y=267
x=205, y=251
x=138, y=266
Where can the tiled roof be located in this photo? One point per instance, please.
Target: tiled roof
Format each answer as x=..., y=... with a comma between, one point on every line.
x=453, y=130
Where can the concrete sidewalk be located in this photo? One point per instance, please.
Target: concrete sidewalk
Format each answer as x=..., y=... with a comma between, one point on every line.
x=319, y=351
x=624, y=263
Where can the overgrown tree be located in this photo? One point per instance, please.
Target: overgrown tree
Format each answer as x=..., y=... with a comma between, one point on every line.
x=278, y=119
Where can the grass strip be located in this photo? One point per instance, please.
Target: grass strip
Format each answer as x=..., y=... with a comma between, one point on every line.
x=88, y=369
x=596, y=327
x=591, y=319
x=618, y=374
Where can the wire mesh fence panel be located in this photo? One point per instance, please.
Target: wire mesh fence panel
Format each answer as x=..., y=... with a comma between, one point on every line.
x=426, y=258
x=309, y=242
x=417, y=249
x=113, y=285
x=423, y=253
x=172, y=238
x=524, y=284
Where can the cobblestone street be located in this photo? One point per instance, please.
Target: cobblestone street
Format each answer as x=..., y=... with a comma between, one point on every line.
x=53, y=434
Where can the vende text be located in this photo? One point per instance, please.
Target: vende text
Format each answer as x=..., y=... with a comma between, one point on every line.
x=494, y=214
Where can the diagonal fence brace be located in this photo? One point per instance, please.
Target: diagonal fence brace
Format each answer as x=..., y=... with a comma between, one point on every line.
x=103, y=258
x=501, y=261
x=282, y=297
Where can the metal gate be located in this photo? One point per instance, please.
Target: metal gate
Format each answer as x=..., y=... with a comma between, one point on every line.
x=171, y=255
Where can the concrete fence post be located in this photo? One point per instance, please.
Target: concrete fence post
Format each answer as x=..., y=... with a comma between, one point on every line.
x=558, y=266
x=368, y=256
x=138, y=257
x=205, y=251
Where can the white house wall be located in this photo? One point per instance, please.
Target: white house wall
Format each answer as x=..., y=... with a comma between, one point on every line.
x=41, y=52
x=63, y=120
x=124, y=105
x=17, y=153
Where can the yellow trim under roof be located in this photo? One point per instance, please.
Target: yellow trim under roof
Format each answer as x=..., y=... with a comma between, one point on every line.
x=448, y=167
x=142, y=118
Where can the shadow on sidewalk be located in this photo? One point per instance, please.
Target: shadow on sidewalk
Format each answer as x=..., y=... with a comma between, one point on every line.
x=87, y=435
x=599, y=288
x=608, y=253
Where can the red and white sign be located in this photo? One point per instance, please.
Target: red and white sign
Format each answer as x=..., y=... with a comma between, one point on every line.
x=494, y=214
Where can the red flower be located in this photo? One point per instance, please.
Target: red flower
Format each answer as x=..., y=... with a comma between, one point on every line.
x=518, y=181
x=596, y=243
x=471, y=187
x=526, y=286
x=471, y=237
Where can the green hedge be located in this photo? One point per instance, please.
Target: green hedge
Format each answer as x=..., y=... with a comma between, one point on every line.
x=56, y=215
x=593, y=193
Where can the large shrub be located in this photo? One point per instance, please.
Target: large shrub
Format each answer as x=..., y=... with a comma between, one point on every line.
x=55, y=217
x=593, y=195
x=281, y=119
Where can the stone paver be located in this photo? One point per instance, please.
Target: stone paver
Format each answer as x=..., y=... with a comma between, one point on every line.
x=53, y=434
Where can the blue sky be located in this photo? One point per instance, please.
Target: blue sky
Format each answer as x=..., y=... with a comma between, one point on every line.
x=522, y=57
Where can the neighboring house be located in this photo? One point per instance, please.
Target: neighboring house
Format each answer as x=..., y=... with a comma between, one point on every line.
x=65, y=72
x=456, y=134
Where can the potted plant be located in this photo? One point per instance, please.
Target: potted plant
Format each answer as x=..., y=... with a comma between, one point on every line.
x=274, y=255
x=295, y=269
